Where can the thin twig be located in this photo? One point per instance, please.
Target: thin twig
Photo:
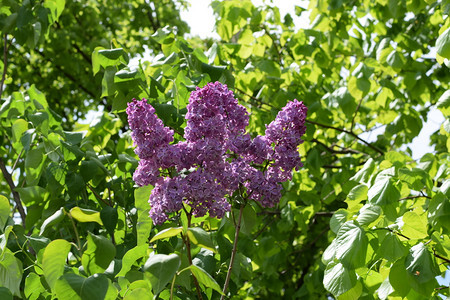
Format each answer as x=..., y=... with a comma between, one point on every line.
x=16, y=195
x=393, y=231
x=414, y=197
x=348, y=132
x=75, y=230
x=97, y=195
x=233, y=252
x=354, y=115
x=441, y=257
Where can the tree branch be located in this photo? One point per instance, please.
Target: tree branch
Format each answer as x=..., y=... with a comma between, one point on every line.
x=15, y=194
x=348, y=132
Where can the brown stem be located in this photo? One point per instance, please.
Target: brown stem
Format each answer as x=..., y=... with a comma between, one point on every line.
x=187, y=242
x=97, y=195
x=233, y=252
x=16, y=195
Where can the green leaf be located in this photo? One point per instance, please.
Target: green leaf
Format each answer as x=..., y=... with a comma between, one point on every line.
x=338, y=279
x=109, y=218
x=391, y=248
x=443, y=44
x=338, y=218
x=363, y=175
x=85, y=215
x=249, y=220
x=415, y=226
x=201, y=238
x=73, y=286
x=98, y=255
x=54, y=219
x=53, y=260
x=144, y=222
x=398, y=278
x=395, y=60
x=420, y=264
x=105, y=58
x=351, y=244
x=161, y=268
x=204, y=278
x=5, y=210
x=33, y=286
x=439, y=211
x=167, y=233
x=10, y=272
x=383, y=191
x=358, y=193
x=130, y=257
x=32, y=194
x=444, y=102
x=18, y=128
x=368, y=214
x=56, y=7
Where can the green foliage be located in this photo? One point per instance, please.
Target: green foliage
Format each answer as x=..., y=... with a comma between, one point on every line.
x=360, y=220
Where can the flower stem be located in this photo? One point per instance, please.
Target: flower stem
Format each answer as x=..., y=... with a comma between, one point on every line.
x=187, y=242
x=233, y=252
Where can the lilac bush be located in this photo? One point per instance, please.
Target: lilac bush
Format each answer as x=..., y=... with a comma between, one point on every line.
x=218, y=158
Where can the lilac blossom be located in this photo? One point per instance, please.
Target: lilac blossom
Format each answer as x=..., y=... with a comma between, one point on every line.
x=218, y=158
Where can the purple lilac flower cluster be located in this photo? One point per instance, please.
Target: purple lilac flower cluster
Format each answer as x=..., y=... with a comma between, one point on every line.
x=217, y=157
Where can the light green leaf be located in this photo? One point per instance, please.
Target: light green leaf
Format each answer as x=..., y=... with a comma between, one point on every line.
x=204, y=278
x=98, y=255
x=18, y=128
x=53, y=260
x=415, y=226
x=338, y=279
x=201, y=238
x=383, y=191
x=351, y=244
x=338, y=218
x=85, y=215
x=167, y=233
x=54, y=219
x=130, y=258
x=363, y=175
x=5, y=210
x=73, y=286
x=56, y=7
x=161, y=268
x=368, y=214
x=10, y=272
x=443, y=44
x=33, y=286
x=444, y=102
x=144, y=222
